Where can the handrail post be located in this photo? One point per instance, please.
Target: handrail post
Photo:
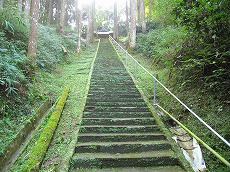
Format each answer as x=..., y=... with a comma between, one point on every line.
x=126, y=59
x=154, y=91
x=135, y=68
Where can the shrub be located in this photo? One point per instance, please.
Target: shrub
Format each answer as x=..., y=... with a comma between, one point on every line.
x=161, y=44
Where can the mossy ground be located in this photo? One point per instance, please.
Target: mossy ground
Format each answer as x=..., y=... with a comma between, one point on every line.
x=205, y=105
x=73, y=72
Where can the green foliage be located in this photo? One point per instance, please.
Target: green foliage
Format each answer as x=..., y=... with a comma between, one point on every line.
x=49, y=48
x=161, y=44
x=13, y=59
x=206, y=53
x=162, y=11
x=43, y=142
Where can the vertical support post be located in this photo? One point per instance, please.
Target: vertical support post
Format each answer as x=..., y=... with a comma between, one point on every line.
x=135, y=68
x=126, y=59
x=154, y=91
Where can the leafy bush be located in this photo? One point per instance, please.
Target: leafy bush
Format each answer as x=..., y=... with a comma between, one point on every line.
x=49, y=47
x=13, y=34
x=161, y=44
x=206, y=53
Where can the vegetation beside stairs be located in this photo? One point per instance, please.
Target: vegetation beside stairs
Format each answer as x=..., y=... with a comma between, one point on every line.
x=38, y=152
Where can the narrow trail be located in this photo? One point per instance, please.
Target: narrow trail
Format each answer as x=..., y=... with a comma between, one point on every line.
x=118, y=131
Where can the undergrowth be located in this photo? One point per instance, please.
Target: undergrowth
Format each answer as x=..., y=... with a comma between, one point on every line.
x=160, y=49
x=19, y=91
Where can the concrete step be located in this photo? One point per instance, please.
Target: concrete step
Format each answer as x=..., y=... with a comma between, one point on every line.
x=118, y=129
x=118, y=121
x=115, y=94
x=114, y=99
x=96, y=92
x=112, y=80
x=122, y=147
x=131, y=169
x=115, y=109
x=95, y=88
x=116, y=137
x=107, y=160
x=117, y=114
x=117, y=104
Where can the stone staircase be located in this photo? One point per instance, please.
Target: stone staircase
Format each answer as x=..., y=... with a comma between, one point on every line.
x=118, y=131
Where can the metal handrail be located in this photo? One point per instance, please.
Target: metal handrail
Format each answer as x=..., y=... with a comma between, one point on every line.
x=157, y=81
x=183, y=104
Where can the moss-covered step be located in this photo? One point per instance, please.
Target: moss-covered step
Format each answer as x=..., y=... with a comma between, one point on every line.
x=114, y=137
x=111, y=89
x=119, y=129
x=132, y=169
x=118, y=121
x=117, y=104
x=112, y=92
x=115, y=109
x=113, y=80
x=143, y=159
x=114, y=99
x=122, y=147
x=102, y=76
x=117, y=95
x=116, y=114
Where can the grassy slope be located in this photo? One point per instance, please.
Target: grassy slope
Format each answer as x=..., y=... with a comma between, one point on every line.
x=205, y=105
x=74, y=73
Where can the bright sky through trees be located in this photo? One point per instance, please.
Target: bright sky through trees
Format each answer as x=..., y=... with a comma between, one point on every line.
x=105, y=4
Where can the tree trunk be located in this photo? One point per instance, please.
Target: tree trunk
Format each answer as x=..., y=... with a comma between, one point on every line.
x=132, y=32
x=142, y=15
x=138, y=13
x=27, y=8
x=127, y=17
x=115, y=27
x=93, y=18
x=50, y=12
x=88, y=34
x=1, y=3
x=77, y=10
x=150, y=9
x=20, y=5
x=79, y=32
x=32, y=45
x=62, y=14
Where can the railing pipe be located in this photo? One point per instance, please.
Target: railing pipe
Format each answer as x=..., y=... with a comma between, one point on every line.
x=196, y=137
x=200, y=119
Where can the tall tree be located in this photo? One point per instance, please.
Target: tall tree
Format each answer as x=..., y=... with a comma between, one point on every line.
x=127, y=17
x=150, y=2
x=142, y=15
x=132, y=29
x=79, y=31
x=62, y=14
x=89, y=34
x=138, y=13
x=50, y=11
x=115, y=26
x=32, y=44
x=77, y=10
x=20, y=5
x=27, y=8
x=93, y=16
x=1, y=3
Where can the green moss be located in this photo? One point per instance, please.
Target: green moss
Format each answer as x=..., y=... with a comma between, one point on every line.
x=42, y=144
